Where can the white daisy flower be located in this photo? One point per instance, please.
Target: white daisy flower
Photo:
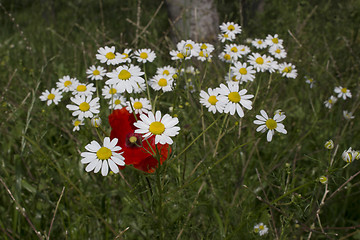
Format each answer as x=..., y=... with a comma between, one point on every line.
x=162, y=127
x=310, y=81
x=167, y=70
x=177, y=55
x=54, y=96
x=125, y=56
x=188, y=47
x=259, y=62
x=107, y=55
x=342, y=92
x=190, y=86
x=139, y=105
x=273, y=65
x=102, y=158
x=230, y=28
x=145, y=55
x=96, y=72
x=210, y=100
x=329, y=144
x=204, y=55
x=233, y=50
x=77, y=123
x=85, y=107
x=162, y=82
x=109, y=91
x=242, y=72
x=207, y=46
x=348, y=115
x=234, y=99
x=96, y=121
x=226, y=37
x=330, y=102
x=66, y=83
x=288, y=70
x=117, y=102
x=82, y=89
x=243, y=50
x=225, y=57
x=259, y=43
x=270, y=123
x=274, y=41
x=277, y=52
x=127, y=78
x=140, y=87
x=230, y=78
x=261, y=229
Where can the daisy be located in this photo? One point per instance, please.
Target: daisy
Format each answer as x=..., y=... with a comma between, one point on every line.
x=259, y=62
x=310, y=81
x=230, y=28
x=96, y=121
x=145, y=55
x=99, y=157
x=85, y=106
x=210, y=100
x=329, y=144
x=125, y=56
x=234, y=99
x=107, y=55
x=204, y=55
x=261, y=229
x=233, y=50
x=126, y=77
x=348, y=115
x=177, y=55
x=188, y=48
x=167, y=70
x=96, y=72
x=189, y=86
x=330, y=102
x=243, y=50
x=140, y=87
x=270, y=123
x=230, y=78
x=259, y=43
x=66, y=83
x=54, y=96
x=226, y=37
x=117, y=102
x=242, y=72
x=288, y=70
x=139, y=105
x=342, y=92
x=82, y=89
x=273, y=65
x=189, y=70
x=274, y=41
x=277, y=52
x=162, y=82
x=162, y=127
x=225, y=57
x=109, y=91
x=77, y=123
x=207, y=46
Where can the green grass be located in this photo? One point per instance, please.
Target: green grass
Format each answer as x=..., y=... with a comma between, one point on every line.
x=198, y=194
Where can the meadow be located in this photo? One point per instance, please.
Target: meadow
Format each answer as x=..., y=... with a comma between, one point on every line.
x=220, y=177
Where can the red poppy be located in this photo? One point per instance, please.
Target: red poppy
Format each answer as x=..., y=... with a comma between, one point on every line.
x=136, y=150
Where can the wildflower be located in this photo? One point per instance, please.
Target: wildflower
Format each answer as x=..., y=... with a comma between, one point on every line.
x=117, y=102
x=330, y=102
x=177, y=55
x=230, y=78
x=77, y=123
x=126, y=77
x=348, y=155
x=96, y=72
x=342, y=92
x=96, y=121
x=85, y=106
x=230, y=28
x=259, y=43
x=140, y=87
x=226, y=37
x=233, y=50
x=356, y=154
x=167, y=71
x=145, y=55
x=259, y=62
x=310, y=81
x=270, y=123
x=329, y=144
x=261, y=229
x=125, y=56
x=190, y=70
x=190, y=86
x=210, y=100
x=273, y=65
x=54, y=96
x=323, y=179
x=225, y=57
x=81, y=89
x=348, y=115
x=279, y=111
x=207, y=47
x=242, y=72
x=136, y=151
x=243, y=50
x=99, y=157
x=66, y=83
x=162, y=82
x=277, y=52
x=161, y=127
x=110, y=91
x=288, y=70
x=204, y=55
x=188, y=48
x=274, y=41
x=234, y=99
x=107, y=55
x=139, y=105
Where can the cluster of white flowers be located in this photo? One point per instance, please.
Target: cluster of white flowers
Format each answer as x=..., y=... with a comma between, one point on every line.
x=261, y=229
x=342, y=93
x=186, y=49
x=350, y=155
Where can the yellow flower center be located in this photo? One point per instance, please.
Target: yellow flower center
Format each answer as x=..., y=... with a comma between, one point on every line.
x=259, y=42
x=234, y=97
x=157, y=128
x=287, y=69
x=96, y=72
x=242, y=71
x=112, y=91
x=203, y=46
x=271, y=124
x=243, y=49
x=227, y=57
x=180, y=55
x=143, y=55
x=81, y=88
x=125, y=55
x=166, y=72
x=77, y=123
x=84, y=106
x=261, y=227
x=226, y=35
x=162, y=82
x=323, y=179
x=110, y=55
x=212, y=100
x=259, y=60
x=256, y=230
x=133, y=139
x=231, y=28
x=117, y=102
x=51, y=96
x=67, y=83
x=104, y=153
x=124, y=75
x=189, y=46
x=275, y=40
x=234, y=79
x=234, y=49
x=277, y=50
x=343, y=90
x=330, y=101
x=138, y=105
